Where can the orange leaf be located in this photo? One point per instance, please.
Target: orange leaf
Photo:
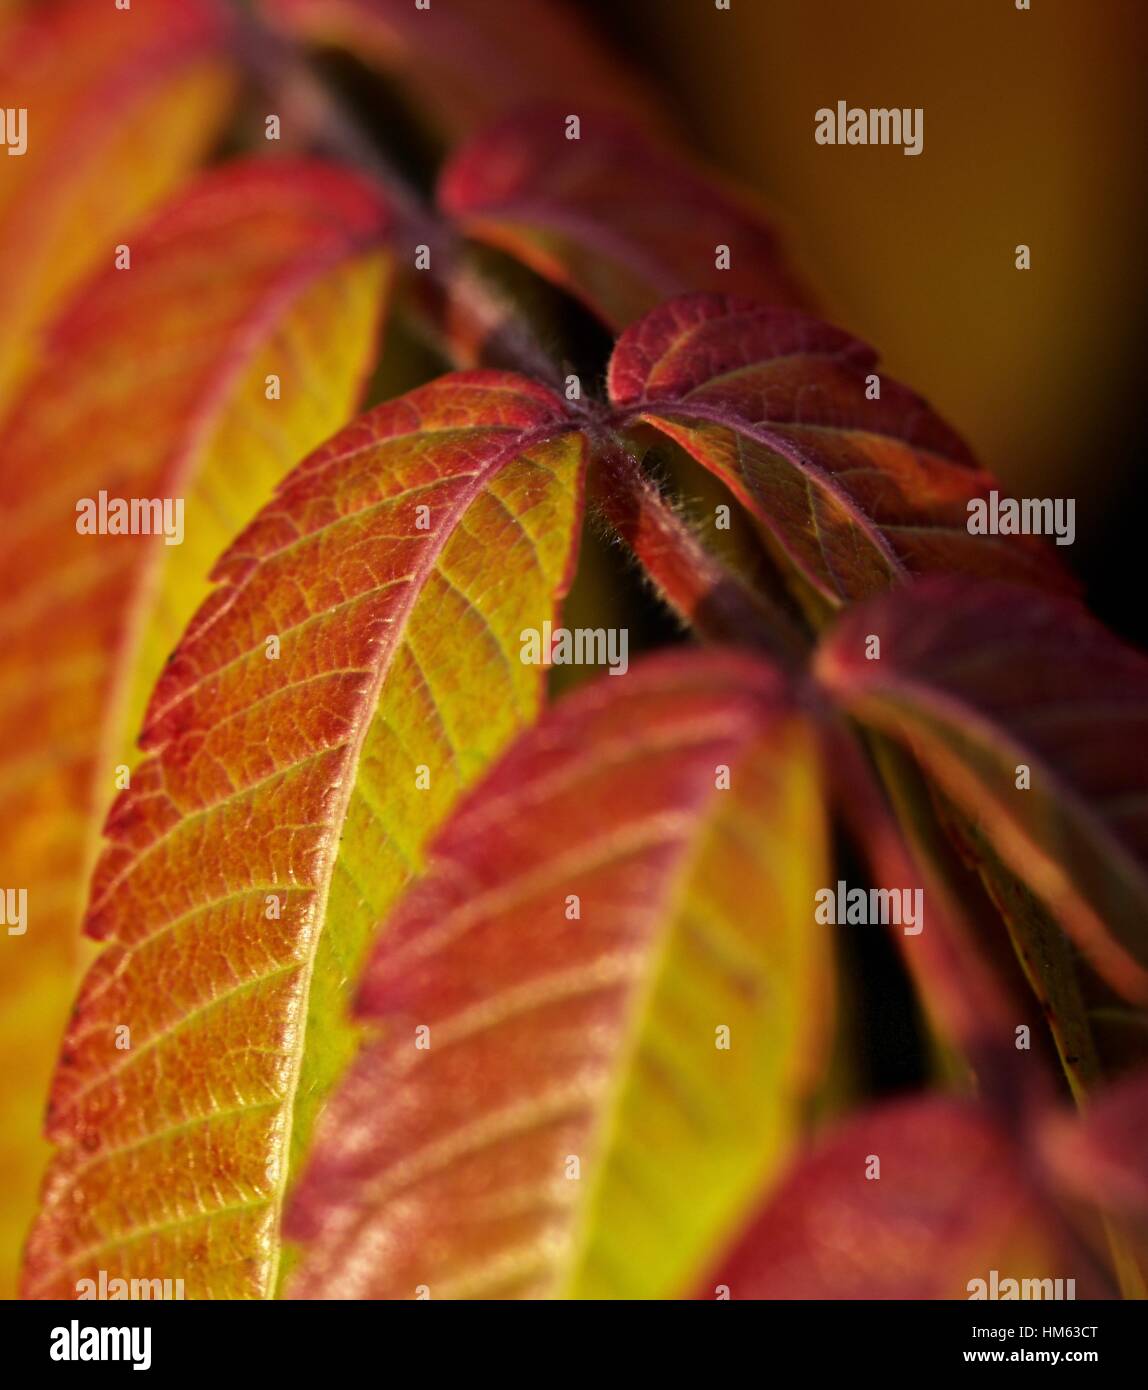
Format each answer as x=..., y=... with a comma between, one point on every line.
x=359, y=637
x=152, y=387
x=120, y=104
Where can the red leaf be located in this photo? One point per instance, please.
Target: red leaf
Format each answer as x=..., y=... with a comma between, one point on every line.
x=1101, y=1156
x=980, y=679
x=614, y=217
x=467, y=61
x=955, y=1200
x=858, y=493
x=551, y=1036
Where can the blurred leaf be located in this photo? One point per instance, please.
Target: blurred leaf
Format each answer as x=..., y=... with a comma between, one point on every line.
x=1102, y=1157
x=857, y=493
x=278, y=810
x=1047, y=956
x=1100, y=1160
x=979, y=679
x=969, y=1000
x=468, y=61
x=152, y=386
x=588, y=1030
x=954, y=1200
x=614, y=217
x=121, y=103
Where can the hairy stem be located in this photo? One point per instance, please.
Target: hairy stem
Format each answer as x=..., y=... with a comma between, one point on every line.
x=705, y=593
x=708, y=596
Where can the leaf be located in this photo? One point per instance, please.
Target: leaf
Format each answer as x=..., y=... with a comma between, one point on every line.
x=616, y=218
x=966, y=996
x=152, y=386
x=120, y=103
x=1049, y=960
x=467, y=61
x=1099, y=1161
x=277, y=811
x=1102, y=1157
x=858, y=494
x=955, y=1199
x=980, y=678
x=594, y=1039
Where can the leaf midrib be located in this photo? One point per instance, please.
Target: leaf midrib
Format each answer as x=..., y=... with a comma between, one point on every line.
x=701, y=812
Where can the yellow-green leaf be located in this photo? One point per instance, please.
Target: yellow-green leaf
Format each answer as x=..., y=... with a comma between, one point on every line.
x=354, y=669
x=603, y=1007
x=152, y=388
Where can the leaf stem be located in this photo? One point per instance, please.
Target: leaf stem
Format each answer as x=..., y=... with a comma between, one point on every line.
x=704, y=592
x=452, y=291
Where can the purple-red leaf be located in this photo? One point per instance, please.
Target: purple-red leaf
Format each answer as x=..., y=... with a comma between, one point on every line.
x=468, y=61
x=1034, y=719
x=603, y=1006
x=858, y=491
x=615, y=217
x=916, y=1200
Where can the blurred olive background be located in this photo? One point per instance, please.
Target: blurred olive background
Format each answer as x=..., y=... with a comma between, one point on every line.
x=1034, y=132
